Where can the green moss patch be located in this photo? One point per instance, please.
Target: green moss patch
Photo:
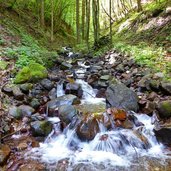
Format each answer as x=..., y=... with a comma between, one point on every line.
x=31, y=73
x=3, y=65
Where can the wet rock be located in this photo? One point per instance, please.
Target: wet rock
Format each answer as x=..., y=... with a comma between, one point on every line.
x=37, y=117
x=118, y=95
x=66, y=113
x=26, y=87
x=102, y=84
x=105, y=77
x=15, y=112
x=35, y=103
x=166, y=86
x=52, y=94
x=26, y=110
x=65, y=66
x=47, y=84
x=92, y=79
x=7, y=88
x=87, y=128
x=127, y=124
x=62, y=100
x=149, y=108
x=163, y=133
x=117, y=114
x=4, y=153
x=101, y=93
x=164, y=109
x=41, y=128
x=18, y=95
x=75, y=89
x=96, y=68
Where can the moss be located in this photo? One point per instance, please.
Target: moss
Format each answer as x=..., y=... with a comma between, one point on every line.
x=165, y=109
x=31, y=73
x=3, y=65
x=46, y=127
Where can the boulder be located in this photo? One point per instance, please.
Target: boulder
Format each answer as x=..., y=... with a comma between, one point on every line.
x=47, y=84
x=87, y=128
x=7, y=88
x=35, y=103
x=52, y=94
x=65, y=66
x=53, y=105
x=15, y=112
x=18, y=95
x=26, y=110
x=66, y=113
x=118, y=95
x=163, y=133
x=26, y=87
x=164, y=109
x=166, y=86
x=75, y=89
x=41, y=128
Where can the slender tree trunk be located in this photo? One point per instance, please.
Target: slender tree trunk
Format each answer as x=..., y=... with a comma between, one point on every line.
x=87, y=22
x=42, y=15
x=52, y=20
x=83, y=19
x=110, y=13
x=78, y=20
x=96, y=25
x=139, y=6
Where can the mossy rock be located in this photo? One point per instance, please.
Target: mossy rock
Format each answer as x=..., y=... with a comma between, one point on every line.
x=164, y=109
x=31, y=73
x=3, y=65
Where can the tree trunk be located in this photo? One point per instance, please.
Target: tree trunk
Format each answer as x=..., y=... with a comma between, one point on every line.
x=110, y=13
x=78, y=20
x=83, y=19
x=139, y=6
x=87, y=22
x=96, y=25
x=52, y=20
x=42, y=15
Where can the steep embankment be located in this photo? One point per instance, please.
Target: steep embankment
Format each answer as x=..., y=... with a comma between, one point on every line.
x=146, y=36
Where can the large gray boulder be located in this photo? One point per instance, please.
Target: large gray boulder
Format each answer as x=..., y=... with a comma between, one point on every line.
x=53, y=105
x=120, y=96
x=66, y=113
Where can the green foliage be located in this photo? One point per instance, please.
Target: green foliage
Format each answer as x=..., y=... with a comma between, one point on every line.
x=31, y=73
x=2, y=41
x=144, y=54
x=3, y=65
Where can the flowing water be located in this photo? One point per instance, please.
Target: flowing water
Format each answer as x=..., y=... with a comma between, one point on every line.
x=116, y=149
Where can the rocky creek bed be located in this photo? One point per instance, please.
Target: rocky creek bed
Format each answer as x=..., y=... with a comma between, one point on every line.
x=98, y=98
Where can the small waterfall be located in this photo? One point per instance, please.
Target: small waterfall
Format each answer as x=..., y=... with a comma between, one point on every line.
x=89, y=94
x=60, y=89
x=88, y=91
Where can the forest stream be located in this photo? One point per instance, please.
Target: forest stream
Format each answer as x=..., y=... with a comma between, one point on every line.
x=87, y=119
